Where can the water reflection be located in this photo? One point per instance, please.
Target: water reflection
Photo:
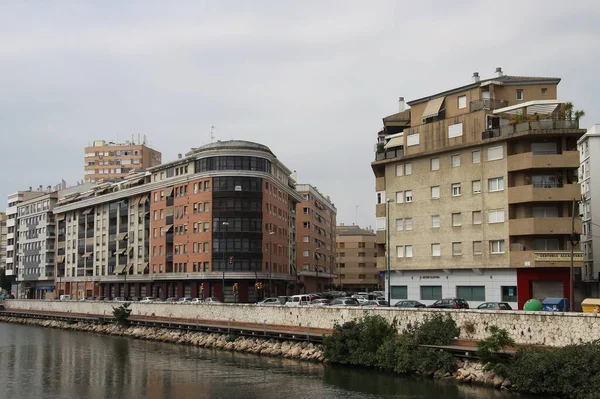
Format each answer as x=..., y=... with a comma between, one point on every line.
x=47, y=363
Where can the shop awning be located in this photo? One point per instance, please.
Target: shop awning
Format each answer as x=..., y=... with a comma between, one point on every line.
x=128, y=267
x=119, y=269
x=60, y=259
x=140, y=268
x=122, y=236
x=433, y=107
x=395, y=142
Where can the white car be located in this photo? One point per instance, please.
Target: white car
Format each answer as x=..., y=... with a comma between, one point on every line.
x=147, y=299
x=196, y=300
x=184, y=300
x=269, y=302
x=212, y=299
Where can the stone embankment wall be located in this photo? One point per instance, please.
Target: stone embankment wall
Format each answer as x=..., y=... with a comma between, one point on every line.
x=537, y=328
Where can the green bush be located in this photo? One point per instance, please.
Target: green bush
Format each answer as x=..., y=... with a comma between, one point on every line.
x=121, y=314
x=488, y=348
x=569, y=372
x=439, y=329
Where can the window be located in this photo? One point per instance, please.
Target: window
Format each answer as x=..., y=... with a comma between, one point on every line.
x=380, y=224
x=306, y=239
x=545, y=212
x=476, y=156
x=476, y=217
x=408, y=224
x=476, y=186
x=456, y=189
x=509, y=294
x=400, y=251
x=519, y=94
x=399, y=224
x=380, y=197
x=455, y=160
x=412, y=139
x=306, y=253
x=544, y=91
x=496, y=184
x=496, y=216
x=408, y=196
x=455, y=130
x=435, y=249
x=462, y=102
x=471, y=293
x=400, y=170
x=497, y=246
x=408, y=249
x=456, y=219
x=477, y=248
x=431, y=292
x=435, y=221
x=546, y=244
x=398, y=292
x=495, y=153
x=399, y=197
x=408, y=169
x=435, y=192
x=456, y=248
x=435, y=163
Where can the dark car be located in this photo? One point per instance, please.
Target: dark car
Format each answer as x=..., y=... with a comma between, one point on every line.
x=344, y=302
x=376, y=302
x=495, y=306
x=450, y=303
x=409, y=304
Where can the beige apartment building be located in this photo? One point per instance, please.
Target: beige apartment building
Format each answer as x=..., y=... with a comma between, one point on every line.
x=109, y=161
x=357, y=259
x=3, y=240
x=475, y=189
x=315, y=235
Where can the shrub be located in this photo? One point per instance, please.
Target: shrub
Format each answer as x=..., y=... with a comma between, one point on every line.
x=488, y=348
x=439, y=329
x=121, y=314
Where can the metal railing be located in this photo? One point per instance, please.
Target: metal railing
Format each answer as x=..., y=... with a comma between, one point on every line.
x=487, y=103
x=537, y=126
x=389, y=154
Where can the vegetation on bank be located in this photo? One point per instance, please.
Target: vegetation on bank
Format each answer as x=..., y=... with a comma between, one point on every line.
x=121, y=314
x=569, y=372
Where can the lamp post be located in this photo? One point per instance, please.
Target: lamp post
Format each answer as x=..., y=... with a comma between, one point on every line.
x=317, y=253
x=224, y=239
x=270, y=263
x=387, y=249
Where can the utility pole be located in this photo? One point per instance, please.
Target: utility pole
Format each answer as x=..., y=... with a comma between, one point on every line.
x=571, y=273
x=387, y=250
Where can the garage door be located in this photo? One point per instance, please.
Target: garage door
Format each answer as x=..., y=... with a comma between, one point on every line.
x=547, y=289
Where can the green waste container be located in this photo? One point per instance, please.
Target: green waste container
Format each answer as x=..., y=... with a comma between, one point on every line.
x=533, y=305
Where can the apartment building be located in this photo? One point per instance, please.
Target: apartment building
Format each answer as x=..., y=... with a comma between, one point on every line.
x=109, y=161
x=315, y=229
x=589, y=177
x=357, y=259
x=3, y=234
x=475, y=189
x=196, y=227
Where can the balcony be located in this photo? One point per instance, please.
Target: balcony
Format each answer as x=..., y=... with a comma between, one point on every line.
x=531, y=193
x=388, y=154
x=542, y=126
x=542, y=226
x=529, y=160
x=487, y=104
x=545, y=259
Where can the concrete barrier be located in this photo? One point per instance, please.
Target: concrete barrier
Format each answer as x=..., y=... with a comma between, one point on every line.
x=538, y=328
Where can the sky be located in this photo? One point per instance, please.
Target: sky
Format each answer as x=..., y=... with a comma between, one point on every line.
x=312, y=80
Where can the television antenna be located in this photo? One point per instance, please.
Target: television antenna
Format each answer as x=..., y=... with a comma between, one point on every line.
x=212, y=135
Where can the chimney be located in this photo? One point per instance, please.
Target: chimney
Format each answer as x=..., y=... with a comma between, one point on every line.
x=476, y=77
x=400, y=104
x=179, y=156
x=499, y=72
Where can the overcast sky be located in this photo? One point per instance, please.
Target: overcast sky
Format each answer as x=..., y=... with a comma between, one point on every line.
x=311, y=80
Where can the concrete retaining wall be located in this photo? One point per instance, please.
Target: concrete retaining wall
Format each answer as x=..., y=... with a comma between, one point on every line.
x=539, y=328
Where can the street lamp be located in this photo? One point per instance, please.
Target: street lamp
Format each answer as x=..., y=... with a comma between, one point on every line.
x=224, y=239
x=317, y=253
x=270, y=264
x=387, y=246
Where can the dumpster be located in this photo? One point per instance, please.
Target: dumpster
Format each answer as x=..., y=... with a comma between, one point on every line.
x=591, y=305
x=556, y=304
x=533, y=305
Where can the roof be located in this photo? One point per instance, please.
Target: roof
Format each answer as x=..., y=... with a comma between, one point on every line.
x=403, y=116
x=231, y=144
x=353, y=231
x=503, y=80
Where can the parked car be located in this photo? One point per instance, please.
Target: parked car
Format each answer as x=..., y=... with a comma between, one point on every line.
x=119, y=299
x=299, y=300
x=409, y=304
x=376, y=302
x=184, y=300
x=344, y=302
x=319, y=302
x=495, y=306
x=147, y=299
x=450, y=303
x=65, y=297
x=212, y=299
x=269, y=302
x=196, y=300
x=134, y=299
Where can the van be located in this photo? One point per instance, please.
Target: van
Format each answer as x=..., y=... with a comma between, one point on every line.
x=65, y=297
x=298, y=300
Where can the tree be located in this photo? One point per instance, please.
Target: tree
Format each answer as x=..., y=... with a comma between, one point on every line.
x=4, y=281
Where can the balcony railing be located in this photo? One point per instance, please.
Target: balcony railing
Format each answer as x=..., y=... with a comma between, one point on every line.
x=388, y=154
x=487, y=104
x=541, y=125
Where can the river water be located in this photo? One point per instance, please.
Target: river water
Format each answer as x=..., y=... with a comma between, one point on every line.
x=44, y=363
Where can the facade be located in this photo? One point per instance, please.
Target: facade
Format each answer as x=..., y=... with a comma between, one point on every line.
x=475, y=190
x=589, y=177
x=3, y=234
x=195, y=227
x=315, y=230
x=36, y=229
x=357, y=259
x=109, y=161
